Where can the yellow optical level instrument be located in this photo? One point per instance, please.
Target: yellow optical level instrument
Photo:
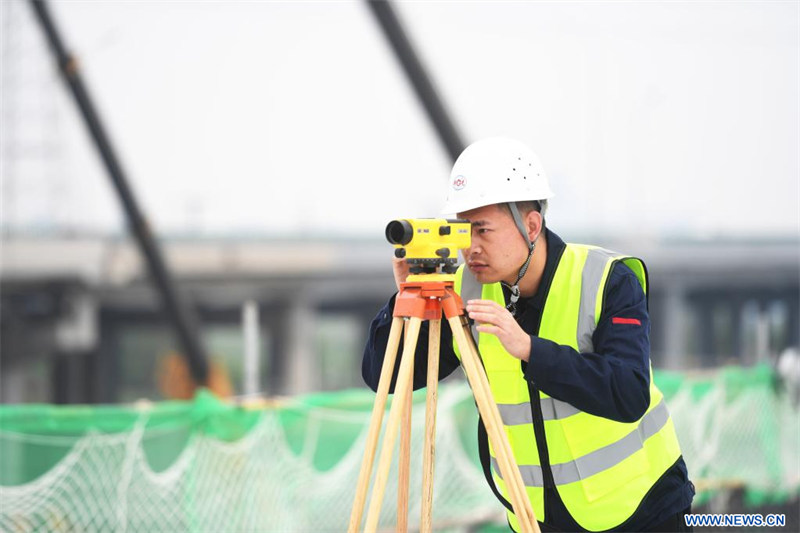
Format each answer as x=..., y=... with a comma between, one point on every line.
x=429, y=243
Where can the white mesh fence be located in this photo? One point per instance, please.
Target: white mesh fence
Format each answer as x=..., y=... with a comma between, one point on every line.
x=749, y=438
x=257, y=483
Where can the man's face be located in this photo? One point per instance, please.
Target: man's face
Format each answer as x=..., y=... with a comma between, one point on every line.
x=497, y=250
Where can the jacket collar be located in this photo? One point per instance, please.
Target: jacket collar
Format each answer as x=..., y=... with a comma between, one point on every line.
x=555, y=247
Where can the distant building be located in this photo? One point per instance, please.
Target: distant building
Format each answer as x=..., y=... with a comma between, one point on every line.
x=80, y=322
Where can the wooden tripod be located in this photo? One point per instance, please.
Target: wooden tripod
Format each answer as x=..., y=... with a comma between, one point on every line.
x=426, y=297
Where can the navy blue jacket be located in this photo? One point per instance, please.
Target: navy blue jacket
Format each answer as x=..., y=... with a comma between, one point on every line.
x=613, y=382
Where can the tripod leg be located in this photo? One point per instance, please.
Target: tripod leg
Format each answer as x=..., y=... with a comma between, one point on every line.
x=403, y=384
x=494, y=427
x=378, y=409
x=404, y=460
x=430, y=425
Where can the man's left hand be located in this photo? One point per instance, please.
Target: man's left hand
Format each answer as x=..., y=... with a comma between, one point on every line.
x=496, y=320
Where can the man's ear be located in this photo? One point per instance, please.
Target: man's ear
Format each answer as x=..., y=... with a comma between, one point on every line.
x=533, y=221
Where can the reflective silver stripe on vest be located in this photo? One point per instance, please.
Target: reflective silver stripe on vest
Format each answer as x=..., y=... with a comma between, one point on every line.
x=520, y=413
x=471, y=289
x=553, y=409
x=598, y=460
x=591, y=276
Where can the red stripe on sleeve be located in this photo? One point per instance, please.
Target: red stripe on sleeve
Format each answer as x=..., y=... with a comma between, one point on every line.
x=618, y=320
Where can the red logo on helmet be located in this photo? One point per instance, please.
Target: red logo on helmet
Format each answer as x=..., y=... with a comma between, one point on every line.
x=459, y=182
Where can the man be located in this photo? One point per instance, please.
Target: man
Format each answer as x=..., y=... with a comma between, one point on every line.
x=563, y=331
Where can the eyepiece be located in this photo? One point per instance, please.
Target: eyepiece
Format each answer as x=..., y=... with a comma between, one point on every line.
x=399, y=232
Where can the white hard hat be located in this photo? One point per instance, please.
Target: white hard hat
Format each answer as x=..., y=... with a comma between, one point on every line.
x=493, y=171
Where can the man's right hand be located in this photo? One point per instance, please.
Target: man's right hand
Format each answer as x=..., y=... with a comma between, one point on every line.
x=401, y=270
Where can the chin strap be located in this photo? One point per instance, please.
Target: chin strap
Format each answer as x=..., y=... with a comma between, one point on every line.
x=514, y=288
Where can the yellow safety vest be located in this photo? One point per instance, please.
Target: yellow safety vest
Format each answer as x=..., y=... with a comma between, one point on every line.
x=602, y=469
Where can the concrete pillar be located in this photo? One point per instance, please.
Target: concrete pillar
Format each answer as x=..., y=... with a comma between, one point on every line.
x=77, y=330
x=251, y=331
x=303, y=370
x=675, y=326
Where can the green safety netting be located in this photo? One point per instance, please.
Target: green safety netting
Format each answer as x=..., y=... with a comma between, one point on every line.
x=206, y=465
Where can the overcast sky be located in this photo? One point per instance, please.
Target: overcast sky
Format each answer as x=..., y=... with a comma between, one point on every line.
x=652, y=119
